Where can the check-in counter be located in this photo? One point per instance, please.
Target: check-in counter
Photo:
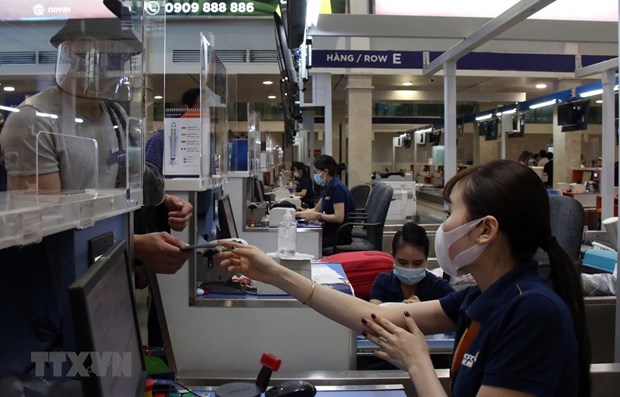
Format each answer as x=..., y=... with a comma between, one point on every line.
x=230, y=332
x=47, y=241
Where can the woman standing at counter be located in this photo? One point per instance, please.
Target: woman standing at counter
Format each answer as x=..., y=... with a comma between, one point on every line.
x=515, y=335
x=335, y=204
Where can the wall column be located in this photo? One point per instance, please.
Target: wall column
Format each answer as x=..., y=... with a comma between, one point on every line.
x=359, y=128
x=566, y=147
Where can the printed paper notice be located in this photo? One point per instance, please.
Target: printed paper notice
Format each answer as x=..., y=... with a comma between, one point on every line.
x=182, y=142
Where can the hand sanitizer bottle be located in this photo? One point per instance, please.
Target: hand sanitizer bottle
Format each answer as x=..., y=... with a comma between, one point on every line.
x=287, y=235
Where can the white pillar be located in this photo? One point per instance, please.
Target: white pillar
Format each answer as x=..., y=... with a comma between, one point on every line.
x=606, y=181
x=449, y=116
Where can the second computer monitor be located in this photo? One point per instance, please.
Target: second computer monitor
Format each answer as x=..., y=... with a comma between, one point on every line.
x=226, y=219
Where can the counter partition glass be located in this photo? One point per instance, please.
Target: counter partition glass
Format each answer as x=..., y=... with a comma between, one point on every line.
x=196, y=136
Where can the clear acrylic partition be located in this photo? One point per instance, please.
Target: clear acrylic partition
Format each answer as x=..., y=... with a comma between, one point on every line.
x=214, y=114
x=254, y=140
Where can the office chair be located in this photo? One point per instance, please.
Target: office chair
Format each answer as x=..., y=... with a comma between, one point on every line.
x=360, y=194
x=378, y=205
x=566, y=216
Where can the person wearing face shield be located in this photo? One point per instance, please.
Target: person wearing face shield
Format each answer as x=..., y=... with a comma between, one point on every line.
x=410, y=281
x=516, y=334
x=73, y=135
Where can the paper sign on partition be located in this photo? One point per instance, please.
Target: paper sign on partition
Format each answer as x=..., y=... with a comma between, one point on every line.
x=182, y=142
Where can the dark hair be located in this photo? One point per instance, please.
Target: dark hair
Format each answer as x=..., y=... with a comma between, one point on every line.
x=190, y=96
x=326, y=162
x=550, y=155
x=524, y=157
x=515, y=195
x=298, y=165
x=411, y=234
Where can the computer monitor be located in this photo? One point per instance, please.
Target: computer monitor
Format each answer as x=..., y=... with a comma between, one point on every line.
x=573, y=116
x=106, y=326
x=226, y=219
x=259, y=191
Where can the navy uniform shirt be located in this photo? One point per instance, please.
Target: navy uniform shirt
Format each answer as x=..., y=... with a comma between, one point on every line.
x=386, y=288
x=336, y=192
x=306, y=183
x=526, y=340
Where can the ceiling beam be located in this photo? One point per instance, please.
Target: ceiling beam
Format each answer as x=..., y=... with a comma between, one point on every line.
x=597, y=68
x=488, y=31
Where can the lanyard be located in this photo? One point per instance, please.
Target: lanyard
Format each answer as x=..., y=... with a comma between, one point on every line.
x=468, y=336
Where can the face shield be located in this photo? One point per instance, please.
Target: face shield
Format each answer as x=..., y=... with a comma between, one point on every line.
x=96, y=68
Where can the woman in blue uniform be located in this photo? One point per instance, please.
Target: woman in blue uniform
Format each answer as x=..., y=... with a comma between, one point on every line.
x=409, y=281
x=303, y=190
x=335, y=204
x=515, y=334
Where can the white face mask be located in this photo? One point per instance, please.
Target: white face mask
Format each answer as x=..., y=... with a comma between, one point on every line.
x=443, y=242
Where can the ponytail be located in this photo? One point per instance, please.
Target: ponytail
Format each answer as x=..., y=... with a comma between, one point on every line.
x=566, y=282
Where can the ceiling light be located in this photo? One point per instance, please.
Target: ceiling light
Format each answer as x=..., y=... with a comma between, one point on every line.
x=48, y=115
x=268, y=82
x=543, y=104
x=408, y=83
x=271, y=97
x=588, y=94
x=313, y=9
x=541, y=86
x=9, y=89
x=599, y=101
x=511, y=111
x=9, y=109
x=78, y=120
x=424, y=130
x=158, y=97
x=484, y=117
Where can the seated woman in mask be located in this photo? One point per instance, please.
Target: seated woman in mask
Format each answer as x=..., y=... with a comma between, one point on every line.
x=409, y=281
x=303, y=190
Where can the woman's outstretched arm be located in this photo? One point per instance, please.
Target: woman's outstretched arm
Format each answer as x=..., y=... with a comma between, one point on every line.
x=342, y=308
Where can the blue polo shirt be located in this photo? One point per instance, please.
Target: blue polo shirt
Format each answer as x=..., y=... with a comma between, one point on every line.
x=154, y=150
x=306, y=183
x=526, y=340
x=386, y=288
x=336, y=192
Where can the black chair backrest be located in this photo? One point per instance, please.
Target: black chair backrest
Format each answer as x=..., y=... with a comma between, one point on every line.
x=360, y=194
x=567, y=223
x=378, y=205
x=566, y=217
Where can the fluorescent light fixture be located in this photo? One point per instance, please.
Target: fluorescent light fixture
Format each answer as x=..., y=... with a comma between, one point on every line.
x=313, y=8
x=543, y=104
x=599, y=101
x=588, y=94
x=408, y=83
x=9, y=89
x=268, y=82
x=484, y=117
x=48, y=115
x=271, y=97
x=505, y=112
x=541, y=86
x=9, y=109
x=424, y=130
x=78, y=120
x=158, y=97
